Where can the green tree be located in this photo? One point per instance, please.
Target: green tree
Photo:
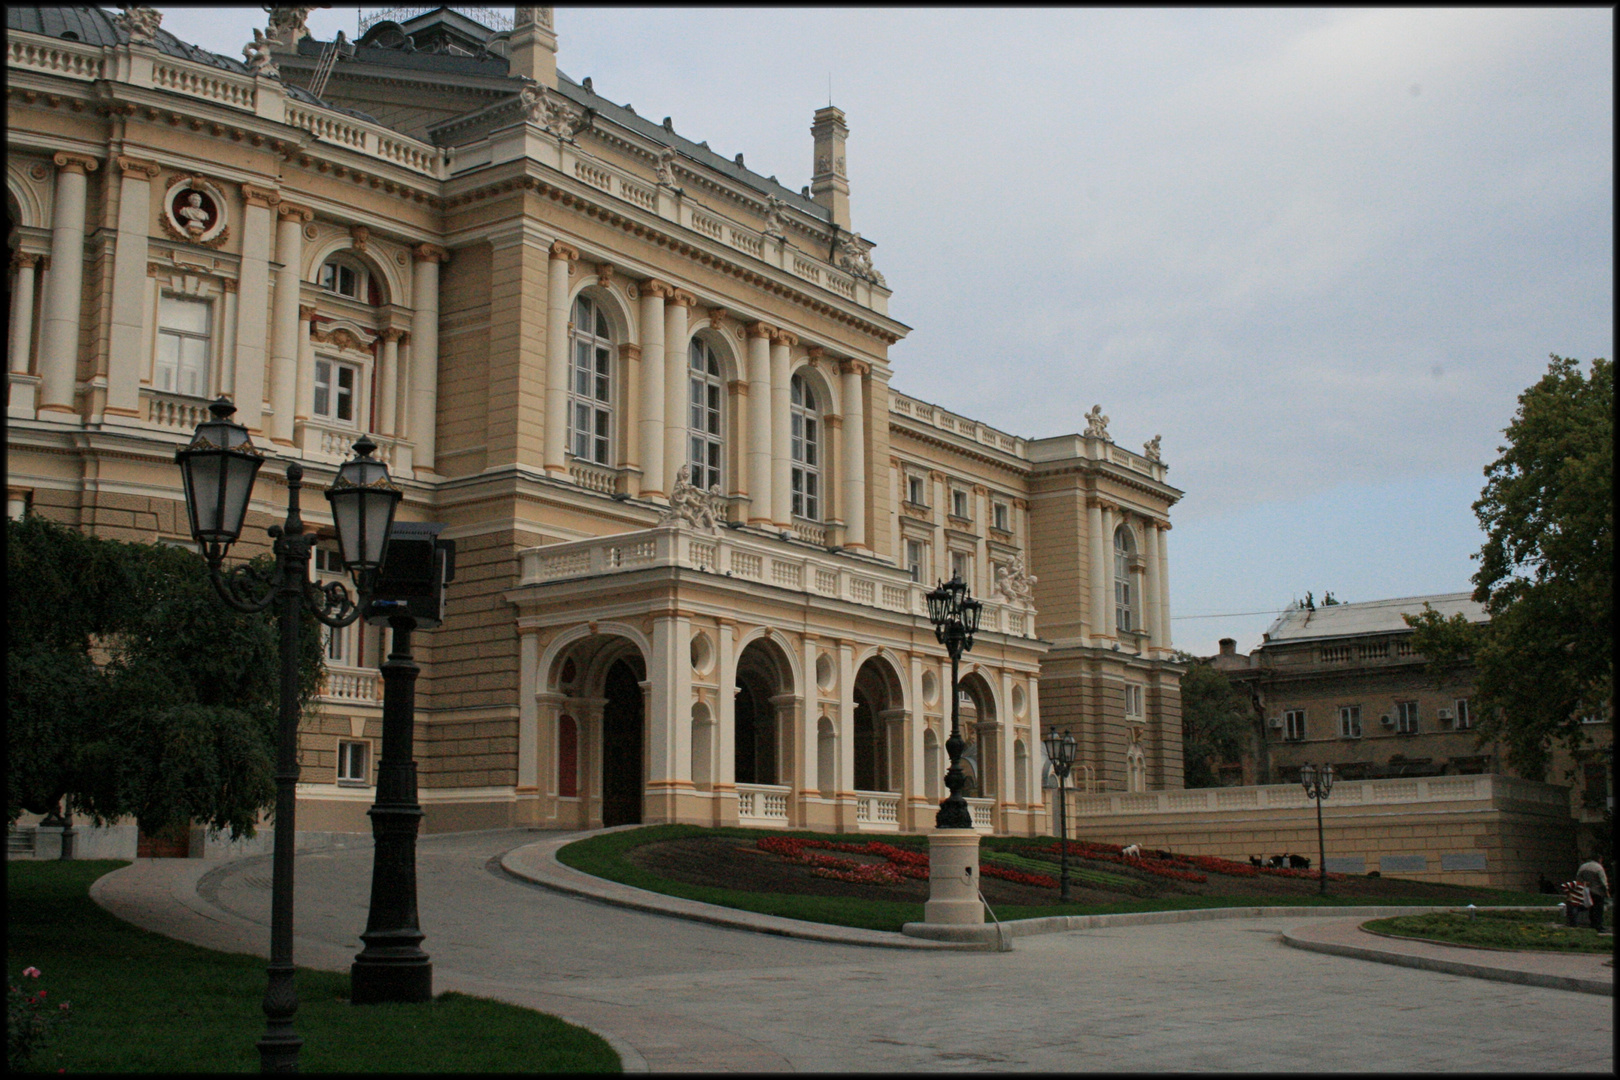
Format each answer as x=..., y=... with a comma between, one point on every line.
x=133, y=690
x=1216, y=721
x=1546, y=573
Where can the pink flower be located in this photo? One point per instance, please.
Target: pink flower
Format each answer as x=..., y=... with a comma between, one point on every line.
x=31, y=972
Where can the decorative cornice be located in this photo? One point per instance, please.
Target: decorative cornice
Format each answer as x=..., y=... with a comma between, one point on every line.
x=258, y=196
x=760, y=330
x=295, y=211
x=661, y=289
x=855, y=367
x=683, y=298
x=560, y=250
x=23, y=260
x=306, y=312
x=430, y=253
x=229, y=285
x=604, y=275
x=137, y=167
x=717, y=317
x=75, y=163
x=359, y=236
x=391, y=334
x=784, y=338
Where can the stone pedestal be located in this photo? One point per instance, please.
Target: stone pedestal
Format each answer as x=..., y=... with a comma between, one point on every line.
x=953, y=878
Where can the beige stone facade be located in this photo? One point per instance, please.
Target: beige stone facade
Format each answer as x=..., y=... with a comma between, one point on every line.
x=576, y=336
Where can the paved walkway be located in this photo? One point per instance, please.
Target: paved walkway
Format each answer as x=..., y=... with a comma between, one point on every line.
x=679, y=994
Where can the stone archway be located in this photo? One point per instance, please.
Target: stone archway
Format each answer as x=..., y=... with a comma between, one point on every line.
x=979, y=729
x=761, y=749
x=594, y=746
x=878, y=708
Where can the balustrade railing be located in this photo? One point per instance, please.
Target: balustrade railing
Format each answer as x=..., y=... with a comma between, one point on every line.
x=173, y=412
x=1345, y=792
x=747, y=557
x=983, y=813
x=763, y=804
x=877, y=811
x=352, y=685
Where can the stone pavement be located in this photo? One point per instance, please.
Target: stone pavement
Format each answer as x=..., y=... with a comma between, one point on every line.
x=681, y=995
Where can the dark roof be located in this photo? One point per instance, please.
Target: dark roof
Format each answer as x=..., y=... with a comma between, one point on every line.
x=698, y=152
x=489, y=64
x=93, y=26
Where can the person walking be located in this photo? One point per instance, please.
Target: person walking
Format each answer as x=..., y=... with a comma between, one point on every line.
x=1597, y=889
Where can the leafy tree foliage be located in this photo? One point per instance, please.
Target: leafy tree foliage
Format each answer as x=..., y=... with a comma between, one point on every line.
x=1546, y=572
x=1216, y=721
x=132, y=689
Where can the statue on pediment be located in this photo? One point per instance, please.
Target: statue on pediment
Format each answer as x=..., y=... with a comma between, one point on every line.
x=1014, y=583
x=287, y=23
x=140, y=23
x=1097, y=424
x=1151, y=448
x=691, y=505
x=257, y=54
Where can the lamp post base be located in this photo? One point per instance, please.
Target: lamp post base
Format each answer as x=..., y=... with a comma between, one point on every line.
x=376, y=981
x=953, y=878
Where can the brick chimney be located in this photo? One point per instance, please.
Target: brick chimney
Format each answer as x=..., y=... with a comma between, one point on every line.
x=829, y=183
x=533, y=50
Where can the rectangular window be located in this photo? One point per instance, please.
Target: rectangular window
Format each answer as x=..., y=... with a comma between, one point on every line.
x=182, y=346
x=1294, y=724
x=1350, y=721
x=1465, y=719
x=1133, y=702
x=334, y=389
x=1596, y=793
x=962, y=566
x=959, y=504
x=1001, y=517
x=1124, y=604
x=914, y=559
x=915, y=491
x=1406, y=717
x=353, y=763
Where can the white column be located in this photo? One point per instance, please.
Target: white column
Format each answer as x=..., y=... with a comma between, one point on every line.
x=1109, y=523
x=1099, y=569
x=1154, y=594
x=676, y=413
x=389, y=392
x=528, y=747
x=854, y=456
x=556, y=434
x=651, y=456
x=284, y=334
x=759, y=424
x=305, y=389
x=253, y=307
x=422, y=414
x=22, y=311
x=844, y=782
x=23, y=385
x=1165, y=641
x=725, y=773
x=64, y=293
x=227, y=343
x=781, y=432
x=126, y=352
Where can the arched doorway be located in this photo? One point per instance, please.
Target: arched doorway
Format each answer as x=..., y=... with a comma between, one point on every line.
x=877, y=706
x=978, y=717
x=760, y=753
x=622, y=737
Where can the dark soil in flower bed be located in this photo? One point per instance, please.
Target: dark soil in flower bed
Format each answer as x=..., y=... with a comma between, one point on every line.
x=729, y=862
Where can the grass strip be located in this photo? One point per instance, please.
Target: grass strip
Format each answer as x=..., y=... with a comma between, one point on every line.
x=142, y=1002
x=605, y=856
x=1518, y=931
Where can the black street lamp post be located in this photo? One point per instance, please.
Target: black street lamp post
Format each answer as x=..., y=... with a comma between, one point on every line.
x=409, y=596
x=1318, y=784
x=1060, y=747
x=955, y=616
x=218, y=468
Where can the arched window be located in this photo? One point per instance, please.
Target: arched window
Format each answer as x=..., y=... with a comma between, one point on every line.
x=806, y=452
x=590, y=397
x=706, y=434
x=349, y=277
x=1125, y=599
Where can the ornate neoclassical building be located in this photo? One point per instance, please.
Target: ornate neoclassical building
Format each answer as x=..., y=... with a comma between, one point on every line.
x=646, y=390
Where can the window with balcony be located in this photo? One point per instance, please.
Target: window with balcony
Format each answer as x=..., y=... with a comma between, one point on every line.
x=590, y=397
x=706, y=423
x=336, y=384
x=183, y=344
x=1294, y=724
x=1124, y=592
x=806, y=447
x=916, y=558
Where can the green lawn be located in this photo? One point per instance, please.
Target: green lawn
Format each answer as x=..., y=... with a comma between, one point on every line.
x=603, y=856
x=145, y=1003
x=1537, y=931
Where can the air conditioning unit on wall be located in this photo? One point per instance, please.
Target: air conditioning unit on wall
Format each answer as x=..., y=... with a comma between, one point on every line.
x=1387, y=720
x=1276, y=723
x=1444, y=714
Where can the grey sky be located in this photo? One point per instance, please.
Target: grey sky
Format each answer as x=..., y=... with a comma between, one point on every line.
x=1320, y=251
